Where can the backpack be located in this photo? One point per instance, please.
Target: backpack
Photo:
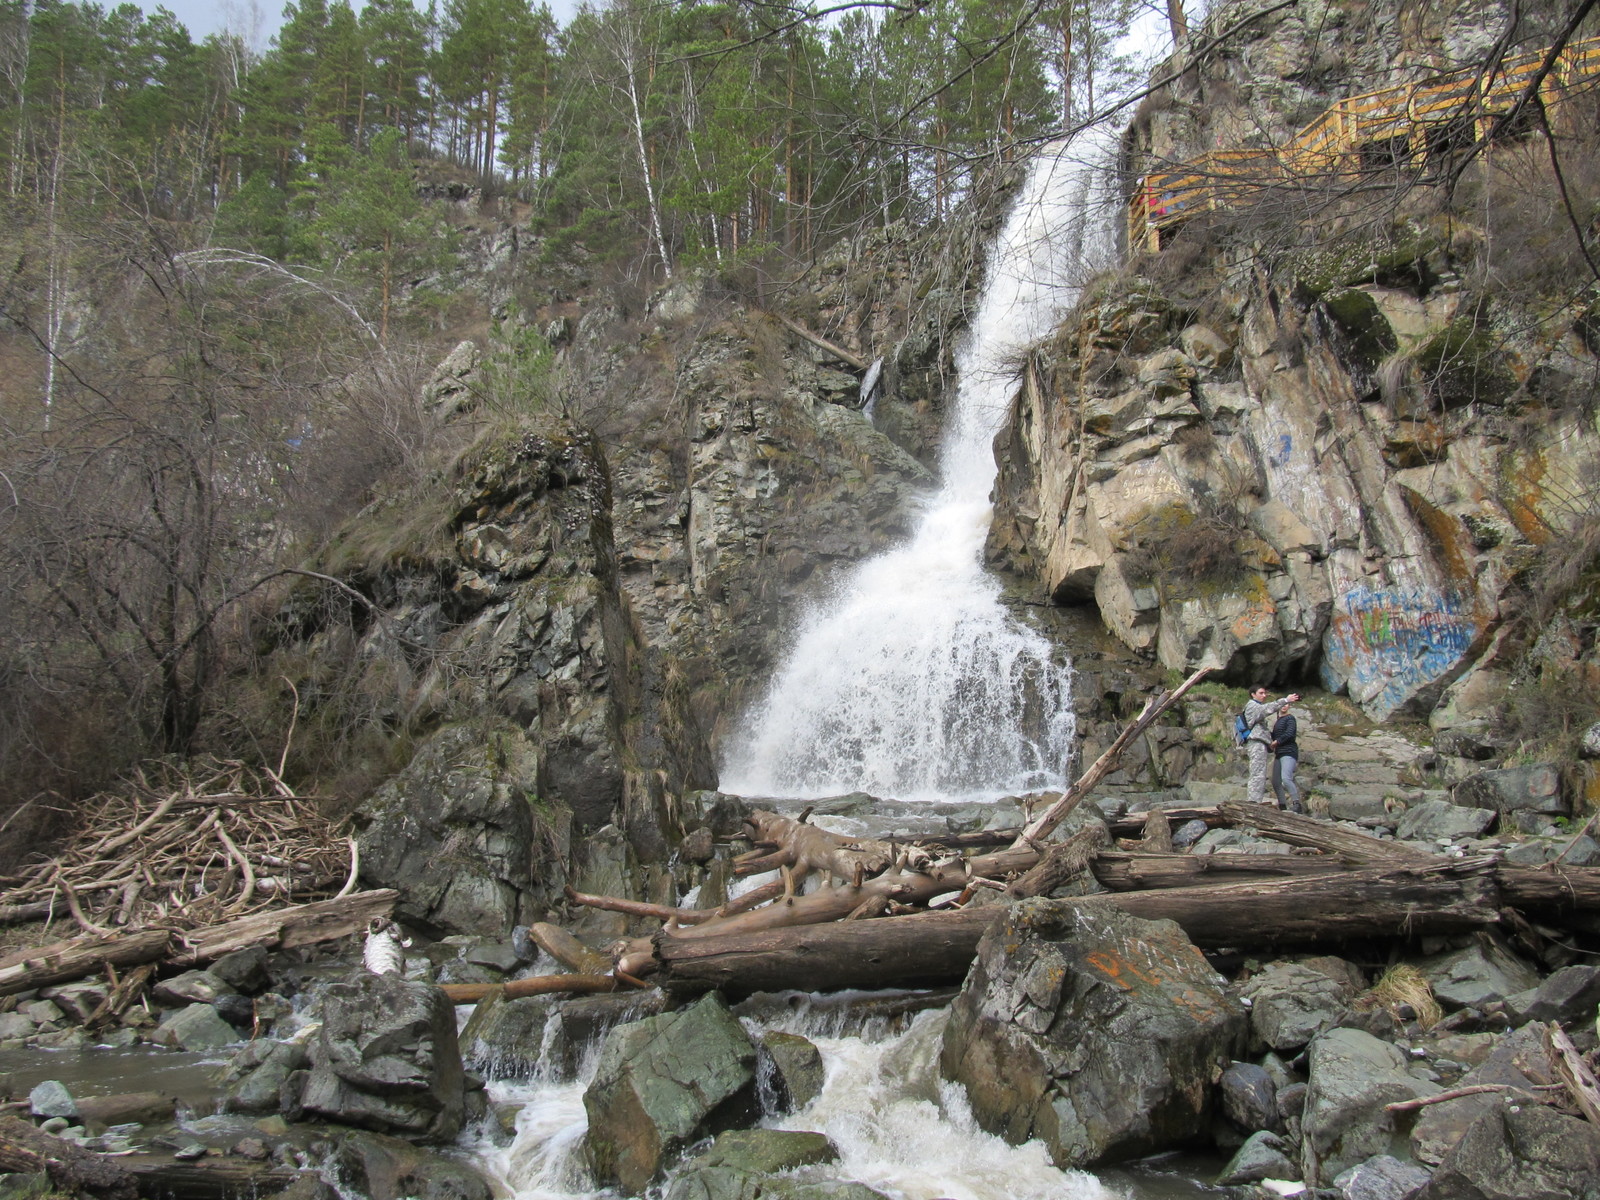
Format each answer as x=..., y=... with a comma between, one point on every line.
x=1241, y=730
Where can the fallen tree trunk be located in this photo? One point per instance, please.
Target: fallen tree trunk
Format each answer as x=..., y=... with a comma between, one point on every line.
x=72, y=1169
x=539, y=985
x=937, y=947
x=1294, y=829
x=1123, y=871
x=280, y=928
x=60, y=962
x=166, y=1178
x=1550, y=888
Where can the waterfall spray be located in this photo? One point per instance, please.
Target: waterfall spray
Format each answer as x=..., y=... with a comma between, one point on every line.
x=914, y=681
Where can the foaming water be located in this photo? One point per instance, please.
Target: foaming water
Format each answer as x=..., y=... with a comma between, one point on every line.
x=896, y=1126
x=914, y=681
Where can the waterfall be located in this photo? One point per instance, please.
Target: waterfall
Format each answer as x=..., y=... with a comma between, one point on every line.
x=913, y=681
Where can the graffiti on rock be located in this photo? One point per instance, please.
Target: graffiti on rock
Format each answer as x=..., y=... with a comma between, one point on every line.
x=1386, y=643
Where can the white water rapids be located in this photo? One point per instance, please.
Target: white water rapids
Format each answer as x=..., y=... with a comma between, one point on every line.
x=913, y=681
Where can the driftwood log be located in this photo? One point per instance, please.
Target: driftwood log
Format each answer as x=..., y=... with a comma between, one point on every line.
x=281, y=928
x=935, y=948
x=72, y=1169
x=539, y=985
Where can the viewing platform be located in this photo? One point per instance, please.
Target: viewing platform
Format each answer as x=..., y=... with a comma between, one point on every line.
x=1430, y=119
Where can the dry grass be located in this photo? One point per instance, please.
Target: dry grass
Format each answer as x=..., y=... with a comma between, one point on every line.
x=1400, y=989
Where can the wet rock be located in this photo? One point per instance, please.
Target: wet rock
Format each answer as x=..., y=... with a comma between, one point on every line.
x=126, y=1108
x=252, y=1148
x=698, y=846
x=256, y=1076
x=51, y=1099
x=661, y=1083
x=1094, y=1031
x=1518, y=1060
x=1568, y=995
x=1264, y=1155
x=1534, y=788
x=196, y=1027
x=192, y=987
x=1249, y=1097
x=1435, y=819
x=497, y=956
x=238, y=1011
x=1477, y=975
x=1382, y=1177
x=1520, y=1150
x=1290, y=1003
x=385, y=1168
x=1352, y=1077
x=791, y=1067
x=739, y=1165
x=505, y=1038
x=387, y=1058
x=244, y=970
x=77, y=1001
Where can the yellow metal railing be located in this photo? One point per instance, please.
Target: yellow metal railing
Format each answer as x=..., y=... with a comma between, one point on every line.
x=1392, y=123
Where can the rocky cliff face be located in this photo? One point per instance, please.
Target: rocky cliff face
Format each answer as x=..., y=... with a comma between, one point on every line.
x=1337, y=453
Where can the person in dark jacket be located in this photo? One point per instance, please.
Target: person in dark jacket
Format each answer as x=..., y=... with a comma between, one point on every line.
x=1285, y=758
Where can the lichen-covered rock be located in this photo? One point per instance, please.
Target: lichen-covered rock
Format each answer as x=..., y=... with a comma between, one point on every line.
x=1098, y=1033
x=1352, y=1077
x=454, y=831
x=387, y=1058
x=1534, y=788
x=661, y=1083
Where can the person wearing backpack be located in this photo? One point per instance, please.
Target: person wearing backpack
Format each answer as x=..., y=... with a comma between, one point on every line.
x=1258, y=716
x=1285, y=758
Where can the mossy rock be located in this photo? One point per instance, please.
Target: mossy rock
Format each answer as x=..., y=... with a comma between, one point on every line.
x=1356, y=312
x=1464, y=364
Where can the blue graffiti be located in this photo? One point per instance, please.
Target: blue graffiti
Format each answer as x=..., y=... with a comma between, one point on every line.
x=1283, y=450
x=1386, y=643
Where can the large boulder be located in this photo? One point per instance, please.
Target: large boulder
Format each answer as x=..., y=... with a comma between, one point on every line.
x=741, y=1165
x=1352, y=1077
x=1535, y=788
x=1096, y=1032
x=1478, y=974
x=387, y=1059
x=1290, y=1003
x=454, y=831
x=662, y=1083
x=1520, y=1150
x=1518, y=1061
x=383, y=1168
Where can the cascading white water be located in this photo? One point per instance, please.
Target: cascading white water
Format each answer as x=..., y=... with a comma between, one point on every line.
x=915, y=682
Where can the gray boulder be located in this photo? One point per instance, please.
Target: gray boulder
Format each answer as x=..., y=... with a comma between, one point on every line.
x=1098, y=1033
x=77, y=1001
x=1522, y=1151
x=197, y=1027
x=1570, y=994
x=384, y=1168
x=740, y=1165
x=1591, y=742
x=192, y=987
x=790, y=1072
x=1264, y=1155
x=51, y=1099
x=453, y=831
x=661, y=1083
x=1483, y=972
x=244, y=970
x=387, y=1059
x=1528, y=789
x=1352, y=1077
x=255, y=1078
x=1290, y=1003
x=1436, y=819
x=1382, y=1177
x=1249, y=1097
x=1518, y=1060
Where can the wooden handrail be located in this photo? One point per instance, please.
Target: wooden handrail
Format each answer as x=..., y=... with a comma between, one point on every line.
x=1390, y=117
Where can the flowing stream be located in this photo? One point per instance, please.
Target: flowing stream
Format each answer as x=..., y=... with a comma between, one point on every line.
x=913, y=681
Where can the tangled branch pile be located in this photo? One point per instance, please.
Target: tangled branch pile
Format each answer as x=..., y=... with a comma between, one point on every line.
x=200, y=843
